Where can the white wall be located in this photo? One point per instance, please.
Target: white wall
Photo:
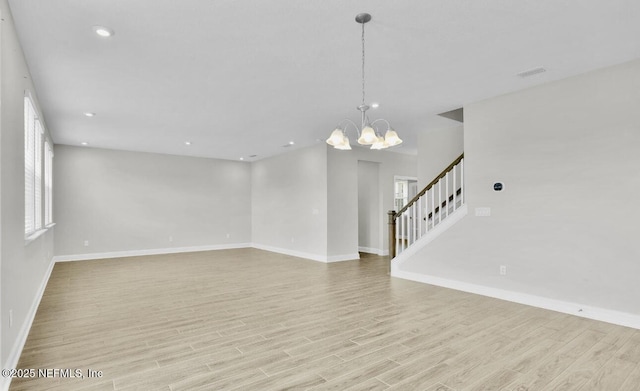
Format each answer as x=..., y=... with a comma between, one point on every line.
x=311, y=196
x=342, y=206
x=369, y=206
x=437, y=148
x=566, y=225
x=343, y=194
x=289, y=203
x=130, y=201
x=23, y=266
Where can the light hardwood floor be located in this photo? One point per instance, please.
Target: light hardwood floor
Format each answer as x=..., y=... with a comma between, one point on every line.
x=254, y=320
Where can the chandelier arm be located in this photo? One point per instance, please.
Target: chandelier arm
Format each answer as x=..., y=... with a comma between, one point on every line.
x=350, y=122
x=382, y=120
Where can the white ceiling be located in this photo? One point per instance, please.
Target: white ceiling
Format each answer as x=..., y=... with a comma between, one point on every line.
x=245, y=77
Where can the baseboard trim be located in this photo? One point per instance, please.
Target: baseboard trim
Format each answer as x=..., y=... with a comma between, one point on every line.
x=175, y=250
x=342, y=258
x=155, y=251
x=305, y=255
x=577, y=309
x=16, y=350
x=371, y=250
x=446, y=223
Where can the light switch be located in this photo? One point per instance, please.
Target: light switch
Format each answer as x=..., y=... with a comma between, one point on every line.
x=483, y=212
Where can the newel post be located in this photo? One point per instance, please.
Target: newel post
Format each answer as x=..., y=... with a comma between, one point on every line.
x=392, y=233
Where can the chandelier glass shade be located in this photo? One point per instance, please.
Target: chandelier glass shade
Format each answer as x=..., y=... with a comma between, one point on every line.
x=369, y=133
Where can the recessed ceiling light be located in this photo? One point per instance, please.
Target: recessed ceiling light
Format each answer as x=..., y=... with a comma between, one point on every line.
x=291, y=143
x=187, y=143
x=103, y=31
x=241, y=158
x=88, y=114
x=375, y=105
x=84, y=143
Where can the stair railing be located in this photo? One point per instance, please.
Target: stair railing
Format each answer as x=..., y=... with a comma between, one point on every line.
x=440, y=198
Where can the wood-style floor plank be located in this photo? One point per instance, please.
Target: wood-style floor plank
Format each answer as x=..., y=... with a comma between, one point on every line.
x=253, y=320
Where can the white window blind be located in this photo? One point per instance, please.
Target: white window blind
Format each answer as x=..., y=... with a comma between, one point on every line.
x=29, y=167
x=38, y=175
x=48, y=183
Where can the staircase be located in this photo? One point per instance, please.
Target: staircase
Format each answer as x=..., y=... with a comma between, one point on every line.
x=430, y=210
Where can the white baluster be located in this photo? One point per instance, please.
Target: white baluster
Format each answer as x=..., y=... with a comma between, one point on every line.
x=400, y=234
x=420, y=200
x=406, y=228
x=409, y=223
x=398, y=223
x=409, y=226
x=433, y=210
x=462, y=181
x=455, y=188
x=440, y=200
x=446, y=193
x=414, y=229
x=404, y=222
x=413, y=221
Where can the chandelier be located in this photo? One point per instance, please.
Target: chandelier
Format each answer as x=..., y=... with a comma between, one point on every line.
x=368, y=132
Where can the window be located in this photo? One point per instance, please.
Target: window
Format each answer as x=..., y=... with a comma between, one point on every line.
x=38, y=159
x=29, y=167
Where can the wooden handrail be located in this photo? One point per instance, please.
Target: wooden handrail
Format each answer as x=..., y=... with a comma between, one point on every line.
x=429, y=186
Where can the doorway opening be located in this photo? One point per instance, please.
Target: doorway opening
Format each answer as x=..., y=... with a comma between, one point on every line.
x=370, y=212
x=405, y=188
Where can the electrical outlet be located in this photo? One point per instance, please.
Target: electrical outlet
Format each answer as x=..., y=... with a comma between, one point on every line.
x=171, y=238
x=228, y=236
x=292, y=240
x=86, y=243
x=503, y=270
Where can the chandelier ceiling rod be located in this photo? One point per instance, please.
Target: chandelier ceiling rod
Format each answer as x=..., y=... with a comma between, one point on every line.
x=362, y=19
